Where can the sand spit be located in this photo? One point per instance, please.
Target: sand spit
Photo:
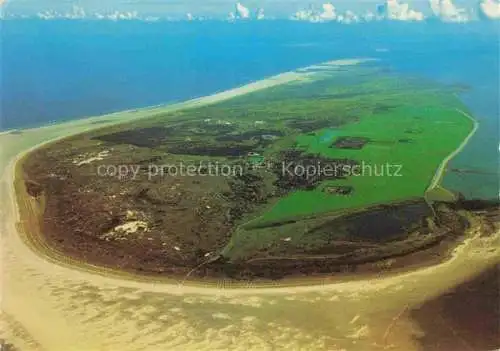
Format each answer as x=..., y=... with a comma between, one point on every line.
x=436, y=180
x=329, y=65
x=59, y=307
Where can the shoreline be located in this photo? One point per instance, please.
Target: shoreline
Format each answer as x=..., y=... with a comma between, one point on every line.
x=210, y=283
x=438, y=176
x=236, y=288
x=39, y=296
x=50, y=254
x=299, y=74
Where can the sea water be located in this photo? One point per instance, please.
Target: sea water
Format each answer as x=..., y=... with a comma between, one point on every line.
x=60, y=70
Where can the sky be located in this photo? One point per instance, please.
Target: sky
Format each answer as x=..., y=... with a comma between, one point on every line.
x=398, y=9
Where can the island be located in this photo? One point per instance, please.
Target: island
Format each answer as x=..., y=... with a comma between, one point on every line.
x=334, y=169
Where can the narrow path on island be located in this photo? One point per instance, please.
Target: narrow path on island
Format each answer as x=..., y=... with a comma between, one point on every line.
x=442, y=168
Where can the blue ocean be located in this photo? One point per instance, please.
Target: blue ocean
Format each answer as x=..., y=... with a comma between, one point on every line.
x=59, y=70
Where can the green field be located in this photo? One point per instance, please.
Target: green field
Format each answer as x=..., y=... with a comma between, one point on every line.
x=412, y=165
x=412, y=126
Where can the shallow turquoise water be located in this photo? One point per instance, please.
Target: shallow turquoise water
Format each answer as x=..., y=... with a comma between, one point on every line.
x=328, y=136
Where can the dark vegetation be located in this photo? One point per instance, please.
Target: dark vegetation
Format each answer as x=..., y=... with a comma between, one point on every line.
x=350, y=142
x=156, y=136
x=248, y=191
x=383, y=224
x=290, y=174
x=264, y=134
x=146, y=137
x=201, y=149
x=339, y=190
x=309, y=125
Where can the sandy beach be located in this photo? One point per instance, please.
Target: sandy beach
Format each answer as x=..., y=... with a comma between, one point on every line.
x=51, y=306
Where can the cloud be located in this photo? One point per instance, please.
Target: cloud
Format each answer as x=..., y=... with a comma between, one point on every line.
x=78, y=13
x=394, y=10
x=260, y=14
x=448, y=12
x=242, y=12
x=305, y=15
x=490, y=9
x=328, y=13
x=399, y=10
x=391, y=9
x=348, y=17
x=116, y=16
x=370, y=16
x=75, y=13
x=190, y=17
x=310, y=15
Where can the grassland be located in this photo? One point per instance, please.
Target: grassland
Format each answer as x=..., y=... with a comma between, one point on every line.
x=407, y=145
